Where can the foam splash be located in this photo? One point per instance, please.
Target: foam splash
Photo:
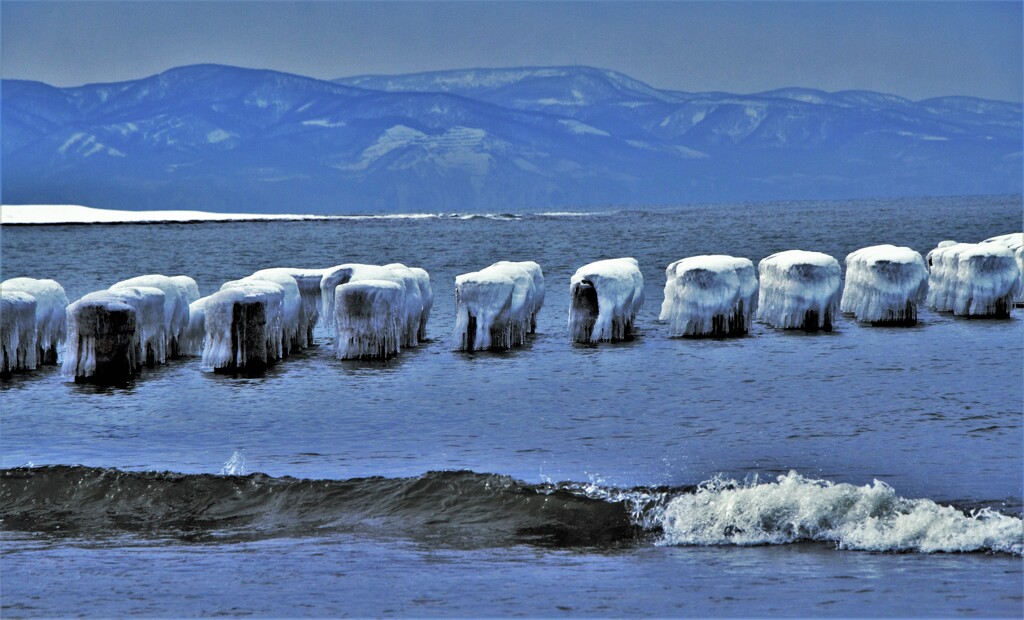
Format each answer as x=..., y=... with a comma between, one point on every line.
x=235, y=466
x=794, y=509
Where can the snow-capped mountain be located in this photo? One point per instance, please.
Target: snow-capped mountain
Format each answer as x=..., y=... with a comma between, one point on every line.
x=233, y=139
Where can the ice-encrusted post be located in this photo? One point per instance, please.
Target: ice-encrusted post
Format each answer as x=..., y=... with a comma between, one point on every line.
x=974, y=280
x=176, y=292
x=605, y=297
x=308, y=283
x=494, y=307
x=103, y=344
x=150, y=318
x=51, y=314
x=293, y=331
x=417, y=295
x=799, y=290
x=884, y=284
x=712, y=295
x=1015, y=243
x=243, y=327
x=368, y=319
x=17, y=332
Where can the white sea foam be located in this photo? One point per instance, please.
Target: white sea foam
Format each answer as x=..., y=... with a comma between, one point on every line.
x=794, y=509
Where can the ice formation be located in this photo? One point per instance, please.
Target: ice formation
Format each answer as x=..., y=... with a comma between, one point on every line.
x=538, y=286
x=369, y=318
x=973, y=279
x=193, y=339
x=427, y=297
x=176, y=301
x=606, y=295
x=189, y=285
x=292, y=338
x=709, y=296
x=799, y=290
x=1015, y=242
x=103, y=343
x=51, y=314
x=150, y=319
x=413, y=307
x=243, y=326
x=884, y=284
x=307, y=283
x=415, y=282
x=495, y=307
x=942, y=244
x=17, y=332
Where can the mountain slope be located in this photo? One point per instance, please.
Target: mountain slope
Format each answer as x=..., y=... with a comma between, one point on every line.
x=233, y=139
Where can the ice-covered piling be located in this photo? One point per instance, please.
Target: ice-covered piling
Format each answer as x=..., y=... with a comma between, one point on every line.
x=709, y=296
x=51, y=314
x=368, y=319
x=17, y=332
x=175, y=303
x=302, y=302
x=494, y=307
x=884, y=284
x=415, y=282
x=243, y=327
x=293, y=333
x=606, y=295
x=1015, y=242
x=973, y=279
x=103, y=343
x=799, y=290
x=150, y=319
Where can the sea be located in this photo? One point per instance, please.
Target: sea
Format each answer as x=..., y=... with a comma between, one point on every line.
x=866, y=471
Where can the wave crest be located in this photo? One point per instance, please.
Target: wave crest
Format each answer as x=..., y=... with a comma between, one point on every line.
x=796, y=509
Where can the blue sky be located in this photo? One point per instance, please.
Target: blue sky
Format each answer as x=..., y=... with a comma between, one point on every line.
x=914, y=49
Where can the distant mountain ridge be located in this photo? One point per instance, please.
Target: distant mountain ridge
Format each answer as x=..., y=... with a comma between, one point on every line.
x=222, y=138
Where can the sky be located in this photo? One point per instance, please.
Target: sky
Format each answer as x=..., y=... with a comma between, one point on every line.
x=914, y=49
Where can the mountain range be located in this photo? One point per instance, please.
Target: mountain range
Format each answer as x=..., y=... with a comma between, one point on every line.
x=223, y=138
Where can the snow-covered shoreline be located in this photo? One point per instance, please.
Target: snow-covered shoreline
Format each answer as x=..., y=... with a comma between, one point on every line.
x=76, y=214
x=44, y=215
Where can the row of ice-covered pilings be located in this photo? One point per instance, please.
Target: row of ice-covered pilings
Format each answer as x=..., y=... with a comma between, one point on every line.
x=137, y=322
x=376, y=310
x=253, y=322
x=885, y=284
x=32, y=324
x=496, y=307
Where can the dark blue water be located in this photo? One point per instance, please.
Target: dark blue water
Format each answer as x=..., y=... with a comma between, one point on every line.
x=934, y=411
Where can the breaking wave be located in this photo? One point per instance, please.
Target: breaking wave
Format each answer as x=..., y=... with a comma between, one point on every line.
x=462, y=508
